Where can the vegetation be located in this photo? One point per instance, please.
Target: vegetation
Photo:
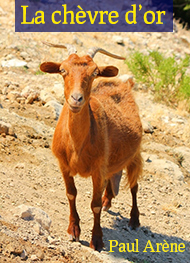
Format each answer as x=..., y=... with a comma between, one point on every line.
x=166, y=76
x=181, y=10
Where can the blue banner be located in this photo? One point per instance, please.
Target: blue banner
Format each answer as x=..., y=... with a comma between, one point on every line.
x=93, y=16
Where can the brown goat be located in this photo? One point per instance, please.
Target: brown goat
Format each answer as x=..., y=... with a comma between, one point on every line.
x=98, y=134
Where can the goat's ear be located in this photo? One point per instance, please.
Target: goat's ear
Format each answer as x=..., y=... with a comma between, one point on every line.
x=109, y=71
x=50, y=67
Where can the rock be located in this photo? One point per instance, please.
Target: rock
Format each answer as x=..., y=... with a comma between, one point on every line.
x=37, y=228
x=29, y=94
x=55, y=92
x=51, y=241
x=34, y=257
x=13, y=63
x=184, y=156
x=166, y=167
x=57, y=108
x=185, y=40
x=10, y=56
x=26, y=91
x=23, y=255
x=58, y=89
x=40, y=254
x=25, y=56
x=77, y=41
x=20, y=100
x=33, y=213
x=25, y=212
x=147, y=127
x=125, y=77
x=118, y=40
x=32, y=97
x=46, y=96
x=153, y=146
x=6, y=128
x=13, y=95
x=14, y=248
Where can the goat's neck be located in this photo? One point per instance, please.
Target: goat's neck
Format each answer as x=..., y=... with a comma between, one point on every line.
x=79, y=126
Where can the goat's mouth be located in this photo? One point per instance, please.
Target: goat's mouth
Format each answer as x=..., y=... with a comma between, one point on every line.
x=74, y=109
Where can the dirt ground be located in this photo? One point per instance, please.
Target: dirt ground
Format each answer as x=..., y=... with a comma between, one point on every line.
x=29, y=173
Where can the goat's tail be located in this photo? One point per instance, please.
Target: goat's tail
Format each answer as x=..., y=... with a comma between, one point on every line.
x=134, y=170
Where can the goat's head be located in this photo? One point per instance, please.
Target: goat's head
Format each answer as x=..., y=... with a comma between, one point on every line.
x=79, y=73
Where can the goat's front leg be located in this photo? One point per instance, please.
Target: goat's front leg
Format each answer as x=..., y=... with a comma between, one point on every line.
x=96, y=206
x=71, y=192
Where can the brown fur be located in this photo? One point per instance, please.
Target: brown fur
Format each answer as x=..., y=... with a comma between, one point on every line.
x=98, y=134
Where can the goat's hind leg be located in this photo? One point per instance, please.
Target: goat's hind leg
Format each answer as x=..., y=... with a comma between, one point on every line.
x=134, y=220
x=134, y=169
x=71, y=192
x=111, y=191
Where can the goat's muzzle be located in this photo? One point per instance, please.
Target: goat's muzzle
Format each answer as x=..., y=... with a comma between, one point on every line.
x=76, y=102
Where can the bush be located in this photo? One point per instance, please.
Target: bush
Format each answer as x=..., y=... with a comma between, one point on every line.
x=165, y=76
x=181, y=11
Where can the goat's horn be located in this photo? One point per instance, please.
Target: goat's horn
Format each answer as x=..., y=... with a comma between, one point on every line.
x=92, y=52
x=71, y=49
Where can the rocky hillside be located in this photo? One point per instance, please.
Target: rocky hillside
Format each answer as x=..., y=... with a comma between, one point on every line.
x=34, y=209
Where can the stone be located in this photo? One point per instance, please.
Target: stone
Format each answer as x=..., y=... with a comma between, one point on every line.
x=166, y=167
x=185, y=40
x=37, y=228
x=29, y=94
x=147, y=127
x=183, y=153
x=51, y=240
x=118, y=40
x=56, y=107
x=58, y=89
x=40, y=255
x=153, y=146
x=26, y=91
x=13, y=95
x=46, y=96
x=6, y=128
x=14, y=248
x=14, y=62
x=34, y=257
x=125, y=77
x=25, y=56
x=25, y=212
x=36, y=214
x=77, y=41
x=32, y=97
x=23, y=255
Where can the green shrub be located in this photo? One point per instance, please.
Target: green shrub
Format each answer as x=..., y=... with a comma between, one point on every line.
x=181, y=11
x=164, y=75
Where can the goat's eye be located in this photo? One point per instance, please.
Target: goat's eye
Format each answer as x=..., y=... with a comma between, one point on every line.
x=95, y=73
x=63, y=71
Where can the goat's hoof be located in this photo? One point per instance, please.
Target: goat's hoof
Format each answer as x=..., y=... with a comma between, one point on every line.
x=134, y=224
x=96, y=243
x=106, y=203
x=72, y=238
x=74, y=232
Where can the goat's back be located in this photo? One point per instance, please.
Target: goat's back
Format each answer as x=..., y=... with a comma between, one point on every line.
x=123, y=121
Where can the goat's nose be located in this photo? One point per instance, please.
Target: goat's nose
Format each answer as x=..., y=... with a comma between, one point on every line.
x=77, y=97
